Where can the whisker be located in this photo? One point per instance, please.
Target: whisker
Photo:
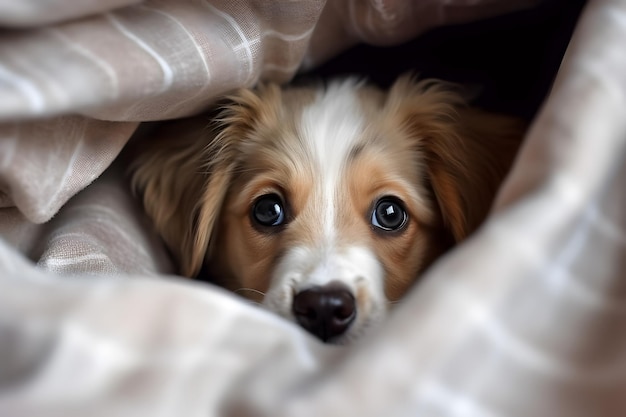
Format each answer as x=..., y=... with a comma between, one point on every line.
x=252, y=296
x=252, y=290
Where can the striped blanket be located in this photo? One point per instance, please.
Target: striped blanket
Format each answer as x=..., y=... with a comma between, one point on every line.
x=526, y=318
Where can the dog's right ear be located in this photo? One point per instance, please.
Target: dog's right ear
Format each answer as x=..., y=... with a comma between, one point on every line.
x=465, y=152
x=183, y=173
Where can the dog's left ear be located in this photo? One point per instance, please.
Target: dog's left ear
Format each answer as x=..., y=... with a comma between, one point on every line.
x=182, y=186
x=467, y=152
x=184, y=171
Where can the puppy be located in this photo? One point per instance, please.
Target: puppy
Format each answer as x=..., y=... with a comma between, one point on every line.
x=325, y=203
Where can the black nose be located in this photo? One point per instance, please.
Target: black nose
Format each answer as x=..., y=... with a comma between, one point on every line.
x=326, y=311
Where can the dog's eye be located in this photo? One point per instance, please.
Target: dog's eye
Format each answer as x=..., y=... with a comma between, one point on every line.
x=389, y=214
x=268, y=210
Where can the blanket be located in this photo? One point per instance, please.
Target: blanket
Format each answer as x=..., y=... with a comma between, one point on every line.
x=525, y=318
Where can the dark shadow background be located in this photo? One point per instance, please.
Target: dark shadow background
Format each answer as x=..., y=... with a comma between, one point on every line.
x=512, y=59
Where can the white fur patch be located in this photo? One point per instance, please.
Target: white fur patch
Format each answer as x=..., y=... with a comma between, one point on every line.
x=331, y=126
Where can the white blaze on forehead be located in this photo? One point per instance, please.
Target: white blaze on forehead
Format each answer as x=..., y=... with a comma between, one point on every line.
x=331, y=126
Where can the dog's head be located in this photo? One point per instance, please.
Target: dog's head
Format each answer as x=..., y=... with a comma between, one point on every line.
x=325, y=204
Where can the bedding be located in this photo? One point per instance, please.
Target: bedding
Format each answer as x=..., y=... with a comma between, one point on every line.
x=526, y=318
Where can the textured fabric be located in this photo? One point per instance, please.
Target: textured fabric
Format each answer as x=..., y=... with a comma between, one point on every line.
x=102, y=230
x=24, y=13
x=45, y=162
x=527, y=318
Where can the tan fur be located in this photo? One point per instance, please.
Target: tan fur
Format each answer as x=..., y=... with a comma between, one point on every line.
x=423, y=144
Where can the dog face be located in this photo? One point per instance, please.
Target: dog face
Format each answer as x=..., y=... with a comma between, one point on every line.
x=327, y=210
x=325, y=204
